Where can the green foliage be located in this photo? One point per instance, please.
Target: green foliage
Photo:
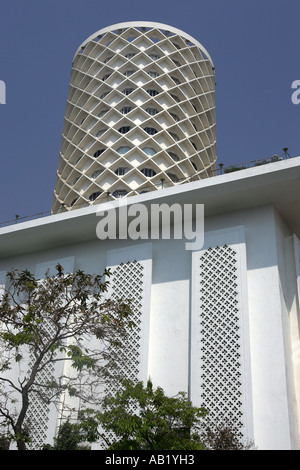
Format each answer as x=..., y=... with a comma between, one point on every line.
x=68, y=437
x=145, y=418
x=4, y=443
x=63, y=317
x=234, y=168
x=80, y=360
x=224, y=436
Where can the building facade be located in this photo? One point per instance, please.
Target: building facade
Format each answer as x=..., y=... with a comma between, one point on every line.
x=140, y=115
x=216, y=294
x=220, y=321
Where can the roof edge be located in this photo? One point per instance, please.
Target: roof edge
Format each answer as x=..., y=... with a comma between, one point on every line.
x=149, y=24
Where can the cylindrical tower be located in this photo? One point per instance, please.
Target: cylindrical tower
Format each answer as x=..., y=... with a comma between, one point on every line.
x=140, y=115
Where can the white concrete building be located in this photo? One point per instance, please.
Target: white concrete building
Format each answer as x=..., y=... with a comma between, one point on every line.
x=219, y=315
x=220, y=322
x=140, y=115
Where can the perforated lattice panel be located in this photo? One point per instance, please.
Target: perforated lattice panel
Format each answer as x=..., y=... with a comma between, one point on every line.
x=39, y=410
x=127, y=284
x=221, y=377
x=2, y=290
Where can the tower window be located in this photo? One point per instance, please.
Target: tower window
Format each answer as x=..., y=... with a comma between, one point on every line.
x=107, y=59
x=150, y=130
x=123, y=150
x=152, y=74
x=176, y=80
x=96, y=174
x=98, y=152
x=151, y=111
x=105, y=77
x=101, y=132
x=173, y=177
x=121, y=171
x=124, y=129
x=174, y=156
x=127, y=73
x=126, y=109
x=149, y=151
x=120, y=193
x=148, y=172
x=175, y=117
x=175, y=136
x=94, y=196
x=73, y=202
x=102, y=113
x=154, y=56
x=127, y=91
x=104, y=95
x=175, y=98
x=178, y=64
x=152, y=92
x=130, y=55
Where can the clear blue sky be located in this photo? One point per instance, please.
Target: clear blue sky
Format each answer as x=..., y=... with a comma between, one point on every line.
x=255, y=46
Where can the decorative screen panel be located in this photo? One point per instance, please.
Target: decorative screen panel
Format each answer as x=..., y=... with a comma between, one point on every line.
x=220, y=371
x=2, y=289
x=42, y=416
x=131, y=280
x=38, y=413
x=131, y=270
x=220, y=335
x=127, y=284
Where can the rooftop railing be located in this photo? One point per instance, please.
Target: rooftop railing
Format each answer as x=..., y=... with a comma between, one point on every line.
x=164, y=184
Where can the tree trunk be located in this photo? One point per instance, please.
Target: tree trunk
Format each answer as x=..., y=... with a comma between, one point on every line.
x=19, y=431
x=21, y=445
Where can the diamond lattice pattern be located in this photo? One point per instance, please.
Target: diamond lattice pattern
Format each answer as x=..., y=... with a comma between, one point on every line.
x=220, y=336
x=127, y=284
x=140, y=109
x=38, y=414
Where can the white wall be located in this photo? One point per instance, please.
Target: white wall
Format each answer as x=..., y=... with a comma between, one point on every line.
x=271, y=304
x=169, y=321
x=290, y=321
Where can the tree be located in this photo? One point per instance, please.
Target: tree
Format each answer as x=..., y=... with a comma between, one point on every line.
x=61, y=319
x=69, y=437
x=144, y=418
x=223, y=436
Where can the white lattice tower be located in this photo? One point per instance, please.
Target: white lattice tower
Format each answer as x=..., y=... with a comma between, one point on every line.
x=140, y=115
